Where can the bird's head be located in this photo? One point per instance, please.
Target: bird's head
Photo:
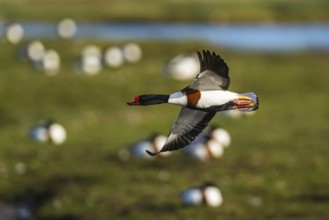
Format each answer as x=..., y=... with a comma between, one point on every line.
x=135, y=102
x=246, y=102
x=149, y=100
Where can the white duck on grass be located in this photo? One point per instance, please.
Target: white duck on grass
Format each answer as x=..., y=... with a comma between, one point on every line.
x=200, y=101
x=204, y=194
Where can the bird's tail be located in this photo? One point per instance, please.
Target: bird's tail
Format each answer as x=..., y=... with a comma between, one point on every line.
x=255, y=100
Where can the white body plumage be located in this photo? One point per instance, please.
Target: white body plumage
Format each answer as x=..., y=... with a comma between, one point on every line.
x=207, y=98
x=215, y=97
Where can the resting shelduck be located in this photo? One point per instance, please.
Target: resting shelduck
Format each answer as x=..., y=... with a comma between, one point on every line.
x=200, y=101
x=203, y=194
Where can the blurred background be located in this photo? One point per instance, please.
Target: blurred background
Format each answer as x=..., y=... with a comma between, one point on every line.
x=70, y=147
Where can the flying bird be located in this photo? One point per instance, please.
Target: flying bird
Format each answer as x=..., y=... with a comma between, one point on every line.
x=200, y=101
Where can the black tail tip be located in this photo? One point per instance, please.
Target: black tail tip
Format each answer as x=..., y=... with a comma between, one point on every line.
x=151, y=153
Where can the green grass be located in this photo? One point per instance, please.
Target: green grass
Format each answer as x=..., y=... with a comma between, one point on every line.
x=175, y=10
x=278, y=155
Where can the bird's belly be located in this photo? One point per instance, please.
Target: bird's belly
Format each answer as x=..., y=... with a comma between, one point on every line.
x=210, y=99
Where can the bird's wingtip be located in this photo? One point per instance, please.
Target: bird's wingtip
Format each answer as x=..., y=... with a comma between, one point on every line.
x=151, y=153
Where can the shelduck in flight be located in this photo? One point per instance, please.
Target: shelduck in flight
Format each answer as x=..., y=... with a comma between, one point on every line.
x=200, y=101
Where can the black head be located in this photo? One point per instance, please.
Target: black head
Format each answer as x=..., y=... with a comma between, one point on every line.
x=149, y=100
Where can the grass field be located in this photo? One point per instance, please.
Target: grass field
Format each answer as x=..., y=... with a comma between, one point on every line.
x=278, y=156
x=275, y=168
x=173, y=10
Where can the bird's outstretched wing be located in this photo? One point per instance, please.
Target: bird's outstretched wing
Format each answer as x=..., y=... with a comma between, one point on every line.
x=213, y=73
x=187, y=126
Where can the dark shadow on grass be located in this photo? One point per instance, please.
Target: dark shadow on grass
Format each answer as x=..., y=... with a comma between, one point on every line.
x=28, y=203
x=314, y=198
x=63, y=217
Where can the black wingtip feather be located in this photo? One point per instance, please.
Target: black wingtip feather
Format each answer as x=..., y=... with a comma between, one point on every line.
x=151, y=153
x=213, y=62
